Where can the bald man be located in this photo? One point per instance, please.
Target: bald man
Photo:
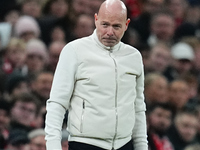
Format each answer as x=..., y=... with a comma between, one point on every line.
x=100, y=81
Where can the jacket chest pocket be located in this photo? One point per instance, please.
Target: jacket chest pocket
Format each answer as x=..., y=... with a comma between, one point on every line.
x=130, y=77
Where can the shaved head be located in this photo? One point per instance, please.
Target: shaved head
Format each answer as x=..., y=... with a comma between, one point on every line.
x=111, y=22
x=110, y=6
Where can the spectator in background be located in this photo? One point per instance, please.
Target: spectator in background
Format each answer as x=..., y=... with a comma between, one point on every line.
x=37, y=141
x=184, y=129
x=178, y=94
x=37, y=56
x=179, y=9
x=24, y=110
x=194, y=11
x=16, y=84
x=15, y=56
x=56, y=8
x=159, y=119
x=27, y=28
x=31, y=8
x=182, y=63
x=41, y=85
x=80, y=7
x=141, y=23
x=55, y=49
x=18, y=140
x=84, y=26
x=159, y=58
x=156, y=88
x=57, y=34
x=162, y=28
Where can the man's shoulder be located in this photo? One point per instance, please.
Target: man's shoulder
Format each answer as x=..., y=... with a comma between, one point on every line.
x=79, y=45
x=130, y=48
x=81, y=41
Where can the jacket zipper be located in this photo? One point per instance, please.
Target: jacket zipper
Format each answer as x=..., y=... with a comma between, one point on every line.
x=82, y=116
x=116, y=90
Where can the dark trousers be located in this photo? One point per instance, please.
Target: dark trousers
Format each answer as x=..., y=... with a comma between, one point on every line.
x=83, y=146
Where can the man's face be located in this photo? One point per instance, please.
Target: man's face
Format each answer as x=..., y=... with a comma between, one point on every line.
x=110, y=27
x=179, y=93
x=81, y=6
x=187, y=126
x=42, y=85
x=23, y=112
x=163, y=27
x=159, y=58
x=32, y=8
x=38, y=143
x=160, y=119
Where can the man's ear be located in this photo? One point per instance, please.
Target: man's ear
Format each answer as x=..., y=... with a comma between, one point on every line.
x=127, y=23
x=95, y=19
x=95, y=16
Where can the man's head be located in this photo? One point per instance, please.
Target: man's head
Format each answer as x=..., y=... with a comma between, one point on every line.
x=159, y=117
x=17, y=140
x=159, y=57
x=178, y=93
x=24, y=109
x=41, y=85
x=186, y=122
x=111, y=22
x=156, y=88
x=37, y=139
x=163, y=26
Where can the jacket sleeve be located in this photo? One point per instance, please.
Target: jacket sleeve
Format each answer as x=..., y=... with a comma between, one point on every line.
x=140, y=129
x=58, y=102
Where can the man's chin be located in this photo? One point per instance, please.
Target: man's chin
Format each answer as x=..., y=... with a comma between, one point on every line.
x=109, y=43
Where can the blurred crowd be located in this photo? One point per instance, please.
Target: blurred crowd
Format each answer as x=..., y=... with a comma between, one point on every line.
x=166, y=32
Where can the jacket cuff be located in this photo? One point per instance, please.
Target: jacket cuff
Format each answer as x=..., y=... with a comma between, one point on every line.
x=145, y=147
x=53, y=145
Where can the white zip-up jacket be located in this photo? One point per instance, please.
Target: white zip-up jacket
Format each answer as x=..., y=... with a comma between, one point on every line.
x=102, y=88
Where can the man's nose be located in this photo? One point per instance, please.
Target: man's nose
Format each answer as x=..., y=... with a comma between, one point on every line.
x=110, y=31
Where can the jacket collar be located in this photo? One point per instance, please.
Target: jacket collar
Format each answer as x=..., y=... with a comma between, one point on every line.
x=114, y=48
